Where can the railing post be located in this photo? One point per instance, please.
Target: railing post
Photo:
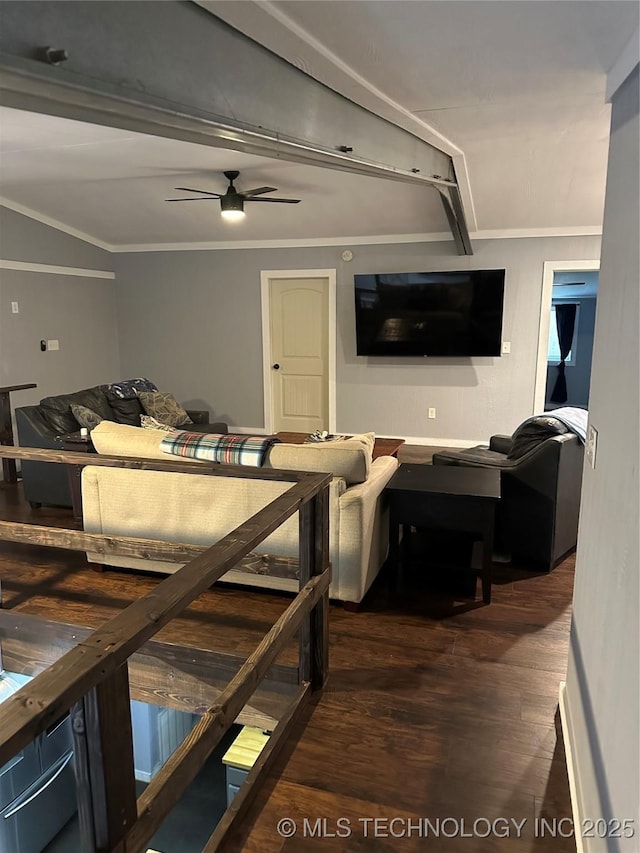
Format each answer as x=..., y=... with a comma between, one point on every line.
x=314, y=557
x=103, y=748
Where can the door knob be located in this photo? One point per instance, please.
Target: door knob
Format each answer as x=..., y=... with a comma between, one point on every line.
x=276, y=366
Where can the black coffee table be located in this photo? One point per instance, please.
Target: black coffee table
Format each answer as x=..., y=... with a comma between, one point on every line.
x=445, y=497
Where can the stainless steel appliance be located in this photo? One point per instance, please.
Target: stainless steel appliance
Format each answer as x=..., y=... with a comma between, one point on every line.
x=37, y=787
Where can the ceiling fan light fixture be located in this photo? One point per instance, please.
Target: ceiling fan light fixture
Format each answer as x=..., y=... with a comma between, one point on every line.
x=232, y=207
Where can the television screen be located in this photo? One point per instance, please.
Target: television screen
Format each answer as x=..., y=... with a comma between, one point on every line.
x=430, y=313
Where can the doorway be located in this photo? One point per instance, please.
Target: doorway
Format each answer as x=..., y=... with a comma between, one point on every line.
x=573, y=284
x=298, y=349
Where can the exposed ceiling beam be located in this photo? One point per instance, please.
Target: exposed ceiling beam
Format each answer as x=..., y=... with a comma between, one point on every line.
x=211, y=85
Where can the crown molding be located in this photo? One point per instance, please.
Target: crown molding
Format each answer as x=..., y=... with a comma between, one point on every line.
x=302, y=242
x=54, y=223
x=524, y=233
x=298, y=243
x=372, y=240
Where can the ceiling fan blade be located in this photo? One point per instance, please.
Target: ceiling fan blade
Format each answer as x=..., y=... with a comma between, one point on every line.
x=190, y=190
x=211, y=198
x=276, y=200
x=259, y=191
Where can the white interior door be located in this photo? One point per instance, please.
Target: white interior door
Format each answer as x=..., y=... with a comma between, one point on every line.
x=299, y=367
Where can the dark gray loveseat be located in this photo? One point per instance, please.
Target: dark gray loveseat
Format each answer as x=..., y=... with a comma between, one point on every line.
x=45, y=426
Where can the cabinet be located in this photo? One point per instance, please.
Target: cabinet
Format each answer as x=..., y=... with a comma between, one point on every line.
x=241, y=756
x=157, y=732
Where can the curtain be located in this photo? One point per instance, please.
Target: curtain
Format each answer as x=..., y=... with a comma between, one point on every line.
x=566, y=322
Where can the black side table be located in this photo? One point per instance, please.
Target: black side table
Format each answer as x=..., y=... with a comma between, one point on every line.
x=444, y=497
x=79, y=444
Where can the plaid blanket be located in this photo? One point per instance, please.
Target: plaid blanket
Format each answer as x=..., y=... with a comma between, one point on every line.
x=214, y=447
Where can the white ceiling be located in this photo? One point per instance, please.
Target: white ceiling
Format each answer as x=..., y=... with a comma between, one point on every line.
x=517, y=87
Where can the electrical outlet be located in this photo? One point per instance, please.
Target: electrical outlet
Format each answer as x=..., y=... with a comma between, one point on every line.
x=431, y=413
x=506, y=347
x=15, y=308
x=53, y=345
x=591, y=445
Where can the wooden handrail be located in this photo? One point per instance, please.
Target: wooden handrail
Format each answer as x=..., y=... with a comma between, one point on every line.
x=91, y=679
x=242, y=799
x=99, y=543
x=138, y=463
x=38, y=704
x=167, y=787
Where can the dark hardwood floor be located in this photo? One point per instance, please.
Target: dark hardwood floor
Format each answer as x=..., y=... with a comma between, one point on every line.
x=437, y=706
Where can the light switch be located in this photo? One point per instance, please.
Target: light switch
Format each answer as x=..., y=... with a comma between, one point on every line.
x=53, y=345
x=15, y=308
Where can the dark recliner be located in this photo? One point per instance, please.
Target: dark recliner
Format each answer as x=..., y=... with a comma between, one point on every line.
x=541, y=479
x=45, y=426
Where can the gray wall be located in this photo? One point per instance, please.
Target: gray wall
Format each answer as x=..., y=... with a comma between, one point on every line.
x=79, y=311
x=604, y=664
x=25, y=239
x=192, y=322
x=578, y=375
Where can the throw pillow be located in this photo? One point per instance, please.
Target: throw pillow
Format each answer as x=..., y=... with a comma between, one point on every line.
x=125, y=411
x=164, y=408
x=147, y=422
x=86, y=417
x=127, y=389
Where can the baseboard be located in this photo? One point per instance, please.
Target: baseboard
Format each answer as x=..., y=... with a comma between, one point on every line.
x=430, y=441
x=573, y=770
x=239, y=430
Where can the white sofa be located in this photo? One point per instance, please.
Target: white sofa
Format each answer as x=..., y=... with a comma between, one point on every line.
x=201, y=509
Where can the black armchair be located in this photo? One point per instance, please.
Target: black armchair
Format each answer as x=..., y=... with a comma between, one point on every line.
x=541, y=479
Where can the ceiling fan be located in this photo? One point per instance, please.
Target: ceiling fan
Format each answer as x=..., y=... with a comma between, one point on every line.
x=233, y=201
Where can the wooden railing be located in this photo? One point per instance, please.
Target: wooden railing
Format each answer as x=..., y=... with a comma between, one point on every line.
x=91, y=679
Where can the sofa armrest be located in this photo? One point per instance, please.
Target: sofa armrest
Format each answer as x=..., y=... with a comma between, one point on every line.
x=34, y=431
x=382, y=470
x=43, y=482
x=364, y=531
x=198, y=416
x=500, y=443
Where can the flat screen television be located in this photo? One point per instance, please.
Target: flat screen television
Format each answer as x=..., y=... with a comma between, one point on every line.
x=430, y=313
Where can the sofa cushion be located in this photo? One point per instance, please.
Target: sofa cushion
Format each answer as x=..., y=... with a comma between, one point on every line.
x=532, y=432
x=125, y=411
x=57, y=410
x=164, y=408
x=86, y=417
x=123, y=440
x=349, y=458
